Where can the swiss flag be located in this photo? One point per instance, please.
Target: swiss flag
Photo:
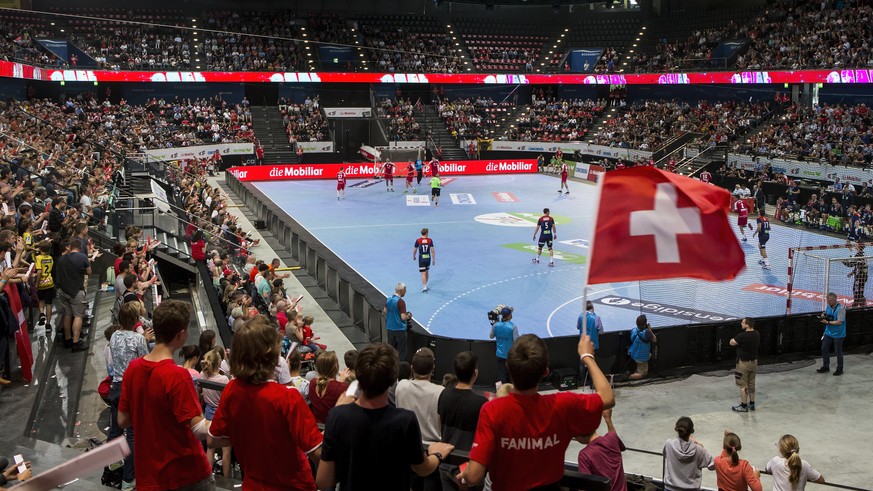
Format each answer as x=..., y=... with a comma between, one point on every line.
x=653, y=224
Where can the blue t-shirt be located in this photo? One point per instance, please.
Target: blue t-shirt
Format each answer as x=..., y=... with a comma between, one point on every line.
x=393, y=321
x=504, y=333
x=418, y=166
x=591, y=326
x=641, y=345
x=837, y=312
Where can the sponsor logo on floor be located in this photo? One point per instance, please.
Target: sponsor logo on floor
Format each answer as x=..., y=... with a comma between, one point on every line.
x=567, y=257
x=674, y=311
x=505, y=197
x=462, y=199
x=798, y=293
x=418, y=200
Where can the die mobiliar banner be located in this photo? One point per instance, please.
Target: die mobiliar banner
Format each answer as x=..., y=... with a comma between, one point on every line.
x=280, y=172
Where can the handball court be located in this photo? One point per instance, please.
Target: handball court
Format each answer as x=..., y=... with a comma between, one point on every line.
x=483, y=234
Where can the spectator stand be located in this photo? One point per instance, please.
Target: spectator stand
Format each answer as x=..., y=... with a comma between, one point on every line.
x=406, y=43
x=613, y=33
x=495, y=46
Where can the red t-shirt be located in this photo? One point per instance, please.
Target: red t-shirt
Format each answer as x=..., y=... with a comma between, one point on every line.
x=321, y=405
x=161, y=400
x=198, y=250
x=118, y=266
x=602, y=457
x=284, y=429
x=741, y=208
x=522, y=439
x=252, y=274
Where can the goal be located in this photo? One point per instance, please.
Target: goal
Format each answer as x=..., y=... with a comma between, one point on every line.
x=815, y=271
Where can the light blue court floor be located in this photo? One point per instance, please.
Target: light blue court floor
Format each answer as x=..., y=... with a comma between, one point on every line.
x=482, y=233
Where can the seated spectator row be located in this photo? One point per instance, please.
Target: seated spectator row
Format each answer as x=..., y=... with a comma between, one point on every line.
x=473, y=118
x=251, y=41
x=304, y=122
x=557, y=120
x=417, y=45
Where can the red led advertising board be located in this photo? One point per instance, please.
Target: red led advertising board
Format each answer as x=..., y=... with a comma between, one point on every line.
x=284, y=172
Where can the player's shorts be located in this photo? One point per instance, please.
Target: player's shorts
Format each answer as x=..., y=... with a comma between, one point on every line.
x=742, y=221
x=434, y=191
x=762, y=240
x=340, y=186
x=389, y=177
x=47, y=295
x=545, y=241
x=563, y=178
x=409, y=178
x=419, y=174
x=423, y=264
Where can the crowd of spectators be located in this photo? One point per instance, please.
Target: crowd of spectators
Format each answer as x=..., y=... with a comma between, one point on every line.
x=692, y=52
x=472, y=117
x=552, y=119
x=304, y=122
x=405, y=50
x=252, y=41
x=118, y=46
x=834, y=134
x=17, y=43
x=402, y=125
x=648, y=125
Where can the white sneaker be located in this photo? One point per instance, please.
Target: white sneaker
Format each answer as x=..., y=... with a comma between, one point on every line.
x=551, y=264
x=535, y=261
x=424, y=289
x=766, y=266
x=760, y=261
x=128, y=486
x=745, y=239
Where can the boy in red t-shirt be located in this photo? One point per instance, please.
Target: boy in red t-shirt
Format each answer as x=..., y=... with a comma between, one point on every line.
x=521, y=439
x=159, y=400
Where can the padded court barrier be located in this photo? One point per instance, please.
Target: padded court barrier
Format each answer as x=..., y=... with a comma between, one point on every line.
x=681, y=350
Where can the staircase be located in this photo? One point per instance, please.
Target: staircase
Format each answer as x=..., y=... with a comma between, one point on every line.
x=598, y=124
x=268, y=128
x=441, y=136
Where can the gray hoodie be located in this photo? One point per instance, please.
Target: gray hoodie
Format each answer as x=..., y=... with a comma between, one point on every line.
x=683, y=463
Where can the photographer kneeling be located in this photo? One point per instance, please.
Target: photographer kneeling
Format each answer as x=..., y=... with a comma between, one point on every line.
x=505, y=332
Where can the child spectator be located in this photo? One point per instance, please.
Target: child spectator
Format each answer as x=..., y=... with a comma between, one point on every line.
x=790, y=472
x=733, y=473
x=602, y=455
x=269, y=426
x=209, y=372
x=684, y=458
x=325, y=390
x=190, y=357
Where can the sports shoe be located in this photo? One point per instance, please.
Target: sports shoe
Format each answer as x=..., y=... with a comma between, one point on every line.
x=560, y=191
x=128, y=486
x=424, y=289
x=745, y=239
x=750, y=226
x=567, y=192
x=751, y=406
x=740, y=408
x=838, y=372
x=79, y=346
x=761, y=262
x=766, y=266
x=337, y=198
x=823, y=370
x=535, y=261
x=551, y=264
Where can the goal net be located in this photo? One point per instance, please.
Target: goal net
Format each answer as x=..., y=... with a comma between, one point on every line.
x=813, y=272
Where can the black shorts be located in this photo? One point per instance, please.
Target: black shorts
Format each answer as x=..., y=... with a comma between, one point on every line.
x=47, y=295
x=434, y=191
x=546, y=242
x=762, y=241
x=424, y=265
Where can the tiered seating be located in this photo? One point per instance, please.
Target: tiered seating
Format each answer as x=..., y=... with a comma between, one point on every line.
x=472, y=118
x=612, y=32
x=649, y=125
x=401, y=120
x=557, y=120
x=17, y=33
x=304, y=122
x=261, y=50
x=121, y=46
x=838, y=134
x=497, y=46
x=409, y=44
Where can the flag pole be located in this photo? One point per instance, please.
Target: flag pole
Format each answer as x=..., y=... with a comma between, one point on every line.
x=597, y=194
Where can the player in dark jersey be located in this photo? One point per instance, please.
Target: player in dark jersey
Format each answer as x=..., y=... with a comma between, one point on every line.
x=341, y=183
x=860, y=272
x=547, y=232
x=423, y=247
x=388, y=173
x=763, y=233
x=419, y=173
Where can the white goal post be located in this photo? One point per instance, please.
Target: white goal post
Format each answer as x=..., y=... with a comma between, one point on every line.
x=815, y=271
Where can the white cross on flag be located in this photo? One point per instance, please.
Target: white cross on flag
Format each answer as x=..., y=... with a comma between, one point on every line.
x=653, y=224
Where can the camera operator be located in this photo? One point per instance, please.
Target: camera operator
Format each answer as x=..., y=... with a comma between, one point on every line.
x=397, y=320
x=505, y=332
x=834, y=319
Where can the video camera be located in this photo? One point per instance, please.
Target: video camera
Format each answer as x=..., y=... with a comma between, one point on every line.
x=825, y=317
x=494, y=314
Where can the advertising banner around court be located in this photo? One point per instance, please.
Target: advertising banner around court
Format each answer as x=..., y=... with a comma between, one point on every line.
x=804, y=170
x=281, y=172
x=348, y=112
x=569, y=148
x=316, y=147
x=201, y=151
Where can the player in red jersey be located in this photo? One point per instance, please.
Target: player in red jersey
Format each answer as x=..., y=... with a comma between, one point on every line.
x=620, y=165
x=410, y=175
x=426, y=258
x=434, y=167
x=706, y=177
x=743, y=218
x=388, y=173
x=341, y=184
x=565, y=172
x=547, y=232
